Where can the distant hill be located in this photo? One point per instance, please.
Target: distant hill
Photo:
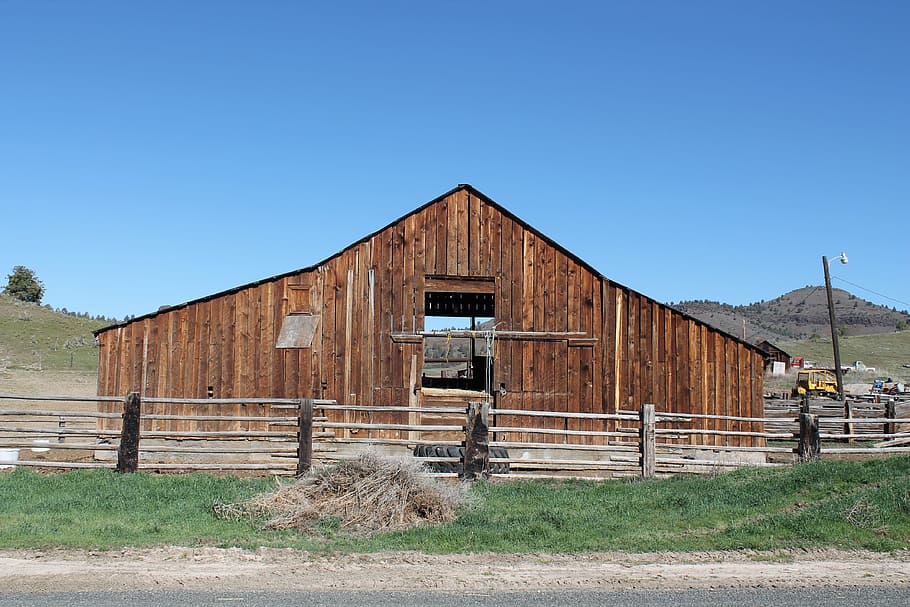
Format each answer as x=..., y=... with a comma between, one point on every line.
x=37, y=337
x=799, y=314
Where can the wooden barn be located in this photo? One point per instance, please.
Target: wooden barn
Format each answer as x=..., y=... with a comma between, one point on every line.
x=371, y=325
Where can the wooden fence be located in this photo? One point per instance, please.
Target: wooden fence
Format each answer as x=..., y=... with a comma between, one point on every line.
x=781, y=413
x=264, y=437
x=287, y=436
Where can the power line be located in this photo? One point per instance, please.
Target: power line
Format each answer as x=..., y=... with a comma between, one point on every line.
x=870, y=290
x=809, y=295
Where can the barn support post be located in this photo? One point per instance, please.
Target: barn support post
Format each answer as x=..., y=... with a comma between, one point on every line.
x=647, y=441
x=476, y=463
x=128, y=451
x=809, y=439
x=305, y=437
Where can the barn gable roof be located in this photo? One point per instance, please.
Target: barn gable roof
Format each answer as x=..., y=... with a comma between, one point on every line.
x=462, y=186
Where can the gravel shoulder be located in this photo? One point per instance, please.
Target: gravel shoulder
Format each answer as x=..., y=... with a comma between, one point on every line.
x=281, y=569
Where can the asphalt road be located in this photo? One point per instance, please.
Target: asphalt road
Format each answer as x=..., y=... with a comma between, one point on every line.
x=811, y=597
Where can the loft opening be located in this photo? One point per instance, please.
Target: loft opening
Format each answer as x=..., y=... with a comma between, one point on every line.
x=455, y=361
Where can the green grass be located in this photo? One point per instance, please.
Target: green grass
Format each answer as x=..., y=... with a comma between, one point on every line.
x=840, y=504
x=102, y=509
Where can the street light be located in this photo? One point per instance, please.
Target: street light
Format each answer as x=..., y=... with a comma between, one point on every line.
x=837, y=370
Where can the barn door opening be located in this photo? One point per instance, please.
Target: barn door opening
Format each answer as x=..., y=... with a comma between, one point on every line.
x=459, y=355
x=457, y=365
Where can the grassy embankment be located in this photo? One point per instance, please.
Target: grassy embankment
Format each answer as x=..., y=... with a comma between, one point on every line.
x=46, y=352
x=839, y=504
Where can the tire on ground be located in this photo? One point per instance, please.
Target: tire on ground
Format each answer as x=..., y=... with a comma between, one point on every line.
x=452, y=451
x=499, y=467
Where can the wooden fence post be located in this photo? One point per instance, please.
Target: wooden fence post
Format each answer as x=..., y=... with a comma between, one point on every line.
x=305, y=437
x=848, y=415
x=804, y=404
x=890, y=413
x=128, y=451
x=476, y=462
x=809, y=440
x=648, y=443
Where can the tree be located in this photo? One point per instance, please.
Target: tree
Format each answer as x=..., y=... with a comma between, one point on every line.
x=24, y=285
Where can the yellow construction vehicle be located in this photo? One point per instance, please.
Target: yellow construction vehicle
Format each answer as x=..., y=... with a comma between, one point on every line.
x=816, y=382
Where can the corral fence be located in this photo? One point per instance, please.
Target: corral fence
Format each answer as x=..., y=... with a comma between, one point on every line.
x=288, y=436
x=255, y=435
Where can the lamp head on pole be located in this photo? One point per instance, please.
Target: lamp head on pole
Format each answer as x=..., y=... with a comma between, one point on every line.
x=843, y=258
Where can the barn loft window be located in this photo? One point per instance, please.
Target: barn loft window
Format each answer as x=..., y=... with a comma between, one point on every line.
x=297, y=331
x=298, y=299
x=457, y=305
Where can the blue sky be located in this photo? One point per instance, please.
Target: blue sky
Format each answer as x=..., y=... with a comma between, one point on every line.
x=156, y=152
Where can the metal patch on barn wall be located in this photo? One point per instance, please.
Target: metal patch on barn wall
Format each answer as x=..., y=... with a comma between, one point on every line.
x=297, y=331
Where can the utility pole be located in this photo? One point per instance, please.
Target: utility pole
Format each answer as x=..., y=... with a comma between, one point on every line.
x=837, y=369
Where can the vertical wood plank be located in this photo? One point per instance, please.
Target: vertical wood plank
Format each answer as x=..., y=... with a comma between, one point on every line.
x=516, y=318
x=633, y=397
x=476, y=263
x=358, y=329
x=618, y=342
x=431, y=237
x=442, y=236
x=645, y=363
x=451, y=235
x=348, y=334
x=386, y=313
x=339, y=335
x=327, y=358
x=463, y=235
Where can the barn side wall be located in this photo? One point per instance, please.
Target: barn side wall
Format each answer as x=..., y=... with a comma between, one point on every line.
x=635, y=350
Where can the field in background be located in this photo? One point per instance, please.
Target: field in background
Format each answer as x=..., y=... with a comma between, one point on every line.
x=887, y=352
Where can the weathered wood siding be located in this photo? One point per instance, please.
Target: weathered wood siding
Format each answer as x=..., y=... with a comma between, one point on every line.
x=636, y=351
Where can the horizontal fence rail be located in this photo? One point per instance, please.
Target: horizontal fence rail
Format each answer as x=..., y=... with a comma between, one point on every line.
x=287, y=436
x=256, y=435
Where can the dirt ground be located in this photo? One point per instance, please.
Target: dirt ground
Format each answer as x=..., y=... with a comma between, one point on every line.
x=280, y=569
x=54, y=383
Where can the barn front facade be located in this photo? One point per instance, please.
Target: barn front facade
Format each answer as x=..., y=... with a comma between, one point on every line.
x=389, y=321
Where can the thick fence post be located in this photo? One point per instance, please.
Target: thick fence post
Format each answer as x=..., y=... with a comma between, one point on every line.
x=809, y=440
x=648, y=442
x=305, y=437
x=128, y=452
x=476, y=462
x=890, y=413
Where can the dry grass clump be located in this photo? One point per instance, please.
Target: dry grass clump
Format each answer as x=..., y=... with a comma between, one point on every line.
x=370, y=493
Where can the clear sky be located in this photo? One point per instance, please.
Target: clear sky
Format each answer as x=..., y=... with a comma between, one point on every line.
x=156, y=152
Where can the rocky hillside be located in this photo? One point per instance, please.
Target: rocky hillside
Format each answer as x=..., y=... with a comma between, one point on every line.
x=799, y=314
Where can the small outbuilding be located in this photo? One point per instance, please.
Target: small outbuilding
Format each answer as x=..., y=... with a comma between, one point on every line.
x=774, y=354
x=373, y=325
